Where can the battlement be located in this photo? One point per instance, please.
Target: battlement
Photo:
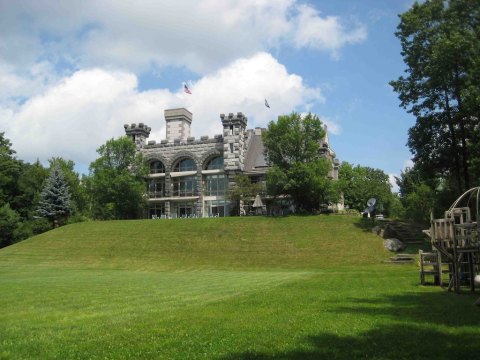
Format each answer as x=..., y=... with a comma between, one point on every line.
x=234, y=119
x=138, y=133
x=190, y=141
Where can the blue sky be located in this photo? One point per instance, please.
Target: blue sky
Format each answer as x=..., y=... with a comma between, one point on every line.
x=72, y=73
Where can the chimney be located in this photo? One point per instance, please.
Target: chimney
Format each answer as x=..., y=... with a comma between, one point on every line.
x=178, y=124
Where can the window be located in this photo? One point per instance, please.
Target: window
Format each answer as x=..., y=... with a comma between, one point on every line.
x=185, y=165
x=157, y=167
x=183, y=209
x=231, y=147
x=185, y=186
x=215, y=185
x=156, y=211
x=215, y=163
x=156, y=188
x=216, y=208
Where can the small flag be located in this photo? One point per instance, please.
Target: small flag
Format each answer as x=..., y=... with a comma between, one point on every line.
x=266, y=104
x=186, y=89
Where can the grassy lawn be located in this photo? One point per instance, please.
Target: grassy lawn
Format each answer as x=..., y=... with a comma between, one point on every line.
x=288, y=288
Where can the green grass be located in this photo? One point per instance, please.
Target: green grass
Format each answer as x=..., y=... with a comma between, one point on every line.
x=288, y=288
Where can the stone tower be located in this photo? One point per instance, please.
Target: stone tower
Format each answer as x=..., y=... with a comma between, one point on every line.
x=138, y=133
x=234, y=140
x=178, y=124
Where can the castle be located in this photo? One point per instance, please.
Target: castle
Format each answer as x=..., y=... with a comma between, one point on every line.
x=190, y=177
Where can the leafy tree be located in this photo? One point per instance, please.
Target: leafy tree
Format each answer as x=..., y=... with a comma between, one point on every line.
x=9, y=221
x=30, y=181
x=360, y=183
x=293, y=145
x=419, y=203
x=55, y=200
x=9, y=170
x=117, y=181
x=243, y=190
x=441, y=47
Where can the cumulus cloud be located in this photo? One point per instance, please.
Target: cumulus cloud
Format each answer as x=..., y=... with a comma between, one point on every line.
x=79, y=113
x=327, y=33
x=393, y=182
x=199, y=35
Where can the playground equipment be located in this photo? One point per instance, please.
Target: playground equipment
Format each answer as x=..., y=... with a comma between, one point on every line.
x=456, y=243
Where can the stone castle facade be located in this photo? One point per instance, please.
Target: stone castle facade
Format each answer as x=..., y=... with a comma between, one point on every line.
x=190, y=177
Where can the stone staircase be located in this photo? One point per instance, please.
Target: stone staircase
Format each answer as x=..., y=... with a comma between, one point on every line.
x=402, y=259
x=407, y=233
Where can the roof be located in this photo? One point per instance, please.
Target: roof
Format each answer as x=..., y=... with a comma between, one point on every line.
x=255, y=161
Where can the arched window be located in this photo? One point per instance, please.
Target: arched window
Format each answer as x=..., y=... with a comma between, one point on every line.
x=185, y=165
x=215, y=163
x=157, y=167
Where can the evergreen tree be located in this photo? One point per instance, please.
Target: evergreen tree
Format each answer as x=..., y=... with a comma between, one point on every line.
x=55, y=197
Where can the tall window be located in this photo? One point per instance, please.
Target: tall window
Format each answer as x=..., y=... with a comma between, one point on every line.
x=185, y=165
x=184, y=186
x=156, y=210
x=157, y=167
x=215, y=163
x=215, y=185
x=156, y=188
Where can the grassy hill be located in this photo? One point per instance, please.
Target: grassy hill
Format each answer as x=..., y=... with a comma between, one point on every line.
x=311, y=242
x=229, y=288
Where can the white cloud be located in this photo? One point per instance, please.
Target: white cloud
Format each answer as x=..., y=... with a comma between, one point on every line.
x=326, y=33
x=79, y=113
x=393, y=182
x=332, y=125
x=408, y=164
x=199, y=35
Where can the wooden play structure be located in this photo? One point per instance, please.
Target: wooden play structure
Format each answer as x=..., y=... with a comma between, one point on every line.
x=455, y=256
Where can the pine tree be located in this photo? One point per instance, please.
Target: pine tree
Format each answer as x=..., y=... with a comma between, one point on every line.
x=55, y=197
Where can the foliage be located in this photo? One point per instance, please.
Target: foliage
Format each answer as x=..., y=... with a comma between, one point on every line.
x=30, y=182
x=9, y=221
x=243, y=190
x=76, y=188
x=293, y=145
x=441, y=48
x=419, y=203
x=55, y=199
x=360, y=183
x=117, y=181
x=9, y=170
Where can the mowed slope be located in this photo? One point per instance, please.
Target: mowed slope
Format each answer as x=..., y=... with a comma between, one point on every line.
x=311, y=242
x=234, y=288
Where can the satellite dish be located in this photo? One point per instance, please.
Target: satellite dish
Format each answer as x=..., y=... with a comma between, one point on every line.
x=371, y=202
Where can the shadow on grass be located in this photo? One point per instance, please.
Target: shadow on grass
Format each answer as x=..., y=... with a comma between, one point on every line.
x=387, y=342
x=423, y=326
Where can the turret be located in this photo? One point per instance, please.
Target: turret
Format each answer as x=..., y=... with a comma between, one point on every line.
x=138, y=133
x=234, y=140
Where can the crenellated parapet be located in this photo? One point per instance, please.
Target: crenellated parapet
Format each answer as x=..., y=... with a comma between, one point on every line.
x=138, y=133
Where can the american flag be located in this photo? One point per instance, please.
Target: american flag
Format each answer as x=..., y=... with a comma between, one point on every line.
x=186, y=89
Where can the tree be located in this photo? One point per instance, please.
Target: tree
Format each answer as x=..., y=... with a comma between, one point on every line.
x=30, y=181
x=76, y=188
x=293, y=145
x=9, y=221
x=55, y=199
x=117, y=181
x=243, y=190
x=441, y=47
x=9, y=170
x=360, y=183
